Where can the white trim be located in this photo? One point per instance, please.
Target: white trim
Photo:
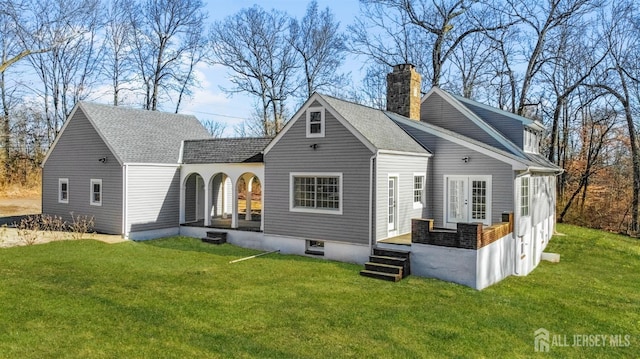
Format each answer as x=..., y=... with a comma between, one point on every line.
x=520, y=202
x=60, y=182
x=403, y=153
x=419, y=205
x=125, y=199
x=393, y=232
x=495, y=153
x=308, y=122
x=468, y=197
x=91, y=183
x=152, y=164
x=181, y=154
x=292, y=208
x=327, y=107
x=522, y=119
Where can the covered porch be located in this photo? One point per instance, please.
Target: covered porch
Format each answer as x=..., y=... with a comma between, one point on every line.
x=225, y=196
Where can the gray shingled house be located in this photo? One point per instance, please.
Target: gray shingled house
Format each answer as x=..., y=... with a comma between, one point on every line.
x=119, y=165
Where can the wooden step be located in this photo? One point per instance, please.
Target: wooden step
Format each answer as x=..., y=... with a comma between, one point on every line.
x=385, y=252
x=394, y=261
x=381, y=275
x=214, y=240
x=217, y=234
x=381, y=267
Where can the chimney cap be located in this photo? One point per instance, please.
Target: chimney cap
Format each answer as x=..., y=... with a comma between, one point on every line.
x=403, y=67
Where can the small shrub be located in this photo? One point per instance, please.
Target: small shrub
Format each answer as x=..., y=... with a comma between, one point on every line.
x=3, y=233
x=54, y=226
x=80, y=226
x=29, y=229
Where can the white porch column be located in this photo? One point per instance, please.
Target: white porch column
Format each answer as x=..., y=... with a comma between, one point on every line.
x=207, y=204
x=262, y=204
x=248, y=180
x=234, y=202
x=182, y=196
x=223, y=184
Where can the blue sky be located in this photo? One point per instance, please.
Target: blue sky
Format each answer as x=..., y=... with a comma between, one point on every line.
x=209, y=102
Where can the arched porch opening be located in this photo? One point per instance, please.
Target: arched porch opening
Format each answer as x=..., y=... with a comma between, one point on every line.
x=249, y=196
x=194, y=198
x=221, y=199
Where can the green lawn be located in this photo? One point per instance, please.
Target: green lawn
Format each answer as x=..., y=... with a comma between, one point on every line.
x=179, y=298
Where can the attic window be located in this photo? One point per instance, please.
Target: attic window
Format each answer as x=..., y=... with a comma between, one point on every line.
x=315, y=122
x=531, y=141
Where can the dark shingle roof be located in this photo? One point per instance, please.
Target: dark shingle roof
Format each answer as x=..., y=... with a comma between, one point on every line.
x=224, y=150
x=375, y=126
x=141, y=136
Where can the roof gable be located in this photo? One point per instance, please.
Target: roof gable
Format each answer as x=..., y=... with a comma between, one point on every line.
x=494, y=134
x=371, y=126
x=224, y=150
x=519, y=159
x=139, y=136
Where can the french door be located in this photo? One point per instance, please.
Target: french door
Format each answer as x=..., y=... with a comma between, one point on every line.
x=467, y=200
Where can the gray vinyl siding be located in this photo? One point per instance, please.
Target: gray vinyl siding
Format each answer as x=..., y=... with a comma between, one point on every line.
x=435, y=110
x=75, y=157
x=153, y=197
x=509, y=127
x=339, y=151
x=447, y=160
x=404, y=167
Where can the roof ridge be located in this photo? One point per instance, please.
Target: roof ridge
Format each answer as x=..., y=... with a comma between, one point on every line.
x=132, y=109
x=352, y=102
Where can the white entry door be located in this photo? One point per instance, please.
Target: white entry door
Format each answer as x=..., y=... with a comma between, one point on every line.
x=393, y=206
x=467, y=200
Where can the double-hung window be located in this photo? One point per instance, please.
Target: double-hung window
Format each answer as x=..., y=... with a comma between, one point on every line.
x=318, y=193
x=524, y=196
x=96, y=192
x=418, y=190
x=315, y=122
x=63, y=190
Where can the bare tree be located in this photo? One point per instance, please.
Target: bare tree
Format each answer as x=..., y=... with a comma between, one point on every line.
x=117, y=61
x=216, y=129
x=621, y=77
x=69, y=71
x=254, y=45
x=162, y=34
x=538, y=20
x=433, y=28
x=321, y=47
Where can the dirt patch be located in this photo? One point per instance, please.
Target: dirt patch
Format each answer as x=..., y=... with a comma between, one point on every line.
x=15, y=206
x=10, y=237
x=20, y=206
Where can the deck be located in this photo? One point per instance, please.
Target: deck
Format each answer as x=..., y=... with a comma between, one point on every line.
x=403, y=239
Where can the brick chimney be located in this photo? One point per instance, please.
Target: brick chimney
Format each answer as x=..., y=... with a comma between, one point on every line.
x=403, y=91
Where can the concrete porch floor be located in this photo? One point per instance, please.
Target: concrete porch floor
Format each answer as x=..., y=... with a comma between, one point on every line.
x=403, y=239
x=222, y=223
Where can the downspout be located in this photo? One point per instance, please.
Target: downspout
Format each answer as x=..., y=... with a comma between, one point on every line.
x=124, y=201
x=516, y=217
x=371, y=199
